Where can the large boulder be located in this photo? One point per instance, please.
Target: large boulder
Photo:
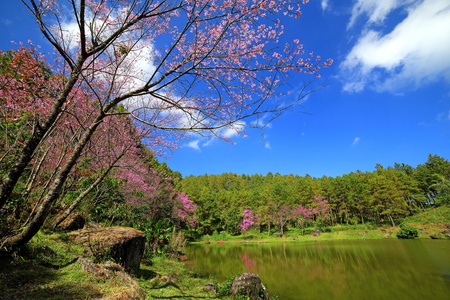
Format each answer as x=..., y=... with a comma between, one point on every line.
x=122, y=244
x=250, y=286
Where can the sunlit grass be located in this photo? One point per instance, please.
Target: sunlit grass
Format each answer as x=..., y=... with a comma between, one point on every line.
x=184, y=283
x=47, y=268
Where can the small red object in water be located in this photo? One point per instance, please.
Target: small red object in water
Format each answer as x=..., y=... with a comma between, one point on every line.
x=220, y=242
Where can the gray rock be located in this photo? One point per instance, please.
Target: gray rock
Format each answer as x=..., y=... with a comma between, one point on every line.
x=250, y=286
x=209, y=287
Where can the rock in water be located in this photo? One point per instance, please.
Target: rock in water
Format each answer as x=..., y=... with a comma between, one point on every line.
x=250, y=286
x=181, y=256
x=124, y=245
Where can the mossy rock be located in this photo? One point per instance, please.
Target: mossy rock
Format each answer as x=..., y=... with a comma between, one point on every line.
x=123, y=245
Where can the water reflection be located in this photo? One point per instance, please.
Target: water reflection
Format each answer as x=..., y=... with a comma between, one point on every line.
x=378, y=269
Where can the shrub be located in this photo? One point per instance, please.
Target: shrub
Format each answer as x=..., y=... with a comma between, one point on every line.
x=407, y=232
x=223, y=235
x=225, y=288
x=177, y=241
x=206, y=239
x=308, y=230
x=249, y=236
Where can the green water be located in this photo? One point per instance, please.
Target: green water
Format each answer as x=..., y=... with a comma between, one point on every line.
x=371, y=269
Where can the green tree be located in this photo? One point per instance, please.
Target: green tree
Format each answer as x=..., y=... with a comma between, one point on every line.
x=442, y=188
x=429, y=173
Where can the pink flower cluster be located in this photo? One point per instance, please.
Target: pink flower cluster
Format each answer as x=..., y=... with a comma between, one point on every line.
x=250, y=219
x=185, y=209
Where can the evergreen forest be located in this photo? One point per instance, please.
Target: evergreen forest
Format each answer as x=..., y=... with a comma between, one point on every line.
x=384, y=196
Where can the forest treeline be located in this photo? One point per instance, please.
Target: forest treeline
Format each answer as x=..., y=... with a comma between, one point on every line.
x=383, y=196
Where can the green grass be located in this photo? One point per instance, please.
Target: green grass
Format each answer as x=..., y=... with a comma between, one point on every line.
x=185, y=283
x=47, y=269
x=439, y=215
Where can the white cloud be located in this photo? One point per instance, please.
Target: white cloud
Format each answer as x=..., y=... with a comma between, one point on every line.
x=324, y=4
x=194, y=145
x=376, y=10
x=7, y=22
x=443, y=116
x=261, y=122
x=355, y=141
x=209, y=142
x=234, y=130
x=416, y=51
x=138, y=64
x=267, y=145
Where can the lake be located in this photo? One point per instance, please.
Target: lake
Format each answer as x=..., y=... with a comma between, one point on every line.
x=370, y=269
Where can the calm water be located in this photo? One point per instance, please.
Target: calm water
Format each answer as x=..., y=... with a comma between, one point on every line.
x=371, y=269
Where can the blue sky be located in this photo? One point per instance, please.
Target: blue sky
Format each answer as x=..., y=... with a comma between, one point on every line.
x=387, y=97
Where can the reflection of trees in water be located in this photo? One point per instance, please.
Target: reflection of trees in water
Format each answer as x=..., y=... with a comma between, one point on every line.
x=249, y=263
x=388, y=269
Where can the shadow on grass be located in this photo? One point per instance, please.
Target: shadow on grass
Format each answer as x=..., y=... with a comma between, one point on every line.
x=22, y=277
x=156, y=289
x=147, y=274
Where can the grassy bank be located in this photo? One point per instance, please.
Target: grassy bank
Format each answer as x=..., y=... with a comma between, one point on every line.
x=47, y=267
x=428, y=223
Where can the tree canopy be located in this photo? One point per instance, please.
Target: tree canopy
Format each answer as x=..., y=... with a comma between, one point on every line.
x=383, y=196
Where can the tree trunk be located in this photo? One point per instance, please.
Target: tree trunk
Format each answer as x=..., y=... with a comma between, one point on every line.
x=39, y=132
x=34, y=174
x=86, y=192
x=53, y=192
x=392, y=220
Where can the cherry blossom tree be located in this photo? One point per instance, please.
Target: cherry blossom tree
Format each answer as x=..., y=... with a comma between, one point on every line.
x=302, y=215
x=320, y=209
x=185, y=209
x=26, y=86
x=282, y=216
x=222, y=64
x=249, y=220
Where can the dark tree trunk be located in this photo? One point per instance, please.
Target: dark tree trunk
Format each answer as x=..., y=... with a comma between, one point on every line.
x=52, y=195
x=85, y=193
